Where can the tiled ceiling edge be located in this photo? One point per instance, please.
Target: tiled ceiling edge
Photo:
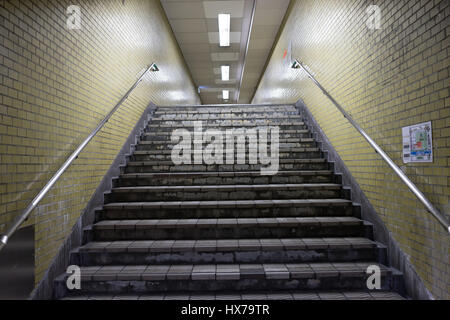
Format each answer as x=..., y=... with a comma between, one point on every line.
x=275, y=42
x=163, y=11
x=244, y=49
x=243, y=45
x=195, y=30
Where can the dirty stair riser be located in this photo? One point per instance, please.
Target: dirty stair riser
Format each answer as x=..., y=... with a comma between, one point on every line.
x=139, y=279
x=229, y=232
x=228, y=251
x=225, y=178
x=246, y=295
x=163, y=128
x=319, y=165
x=300, y=135
x=172, y=231
x=147, y=194
x=143, y=156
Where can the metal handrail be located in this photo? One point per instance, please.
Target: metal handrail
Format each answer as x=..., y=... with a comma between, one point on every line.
x=250, y=28
x=24, y=216
x=441, y=218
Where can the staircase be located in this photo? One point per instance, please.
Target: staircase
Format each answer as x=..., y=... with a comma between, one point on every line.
x=225, y=231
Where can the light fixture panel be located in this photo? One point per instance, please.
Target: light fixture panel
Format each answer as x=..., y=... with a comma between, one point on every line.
x=226, y=94
x=225, y=73
x=224, y=29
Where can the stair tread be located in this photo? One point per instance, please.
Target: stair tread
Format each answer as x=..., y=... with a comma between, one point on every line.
x=231, y=122
x=259, y=295
x=146, y=246
x=225, y=223
x=226, y=203
x=280, y=140
x=228, y=272
x=227, y=174
x=162, y=152
x=229, y=187
x=288, y=245
x=268, y=117
x=167, y=133
x=169, y=162
x=225, y=112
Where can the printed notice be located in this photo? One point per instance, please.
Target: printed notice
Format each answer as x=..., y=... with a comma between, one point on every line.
x=417, y=143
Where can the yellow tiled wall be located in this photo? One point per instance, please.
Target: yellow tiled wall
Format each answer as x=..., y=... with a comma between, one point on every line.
x=57, y=84
x=387, y=78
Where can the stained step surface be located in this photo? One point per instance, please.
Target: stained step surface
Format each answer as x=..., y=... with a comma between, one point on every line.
x=206, y=231
x=122, y=279
x=288, y=295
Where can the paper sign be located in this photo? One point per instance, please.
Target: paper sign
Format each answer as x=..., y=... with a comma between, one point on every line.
x=417, y=143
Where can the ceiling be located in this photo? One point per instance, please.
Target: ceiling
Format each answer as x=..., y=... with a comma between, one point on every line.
x=195, y=25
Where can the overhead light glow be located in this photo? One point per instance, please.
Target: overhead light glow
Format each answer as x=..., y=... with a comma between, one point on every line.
x=225, y=73
x=226, y=94
x=224, y=29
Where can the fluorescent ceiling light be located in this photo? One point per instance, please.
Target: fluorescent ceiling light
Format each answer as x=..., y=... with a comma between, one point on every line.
x=225, y=73
x=224, y=29
x=226, y=94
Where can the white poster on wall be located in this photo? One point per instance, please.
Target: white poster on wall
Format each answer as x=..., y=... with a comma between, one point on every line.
x=287, y=56
x=417, y=143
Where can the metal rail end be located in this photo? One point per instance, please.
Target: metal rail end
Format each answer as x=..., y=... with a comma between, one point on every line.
x=3, y=241
x=296, y=64
x=154, y=67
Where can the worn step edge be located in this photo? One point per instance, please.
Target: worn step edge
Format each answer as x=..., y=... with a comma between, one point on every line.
x=222, y=174
x=168, y=152
x=226, y=223
x=254, y=296
x=239, y=271
x=228, y=188
x=229, y=204
x=228, y=245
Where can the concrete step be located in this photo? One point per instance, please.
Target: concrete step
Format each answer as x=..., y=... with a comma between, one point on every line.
x=170, y=162
x=233, y=122
x=226, y=116
x=225, y=178
x=304, y=142
x=158, y=127
x=197, y=231
x=224, y=109
x=283, y=165
x=291, y=250
x=197, y=210
x=122, y=279
x=115, y=213
x=255, y=295
x=154, y=155
x=243, y=117
x=224, y=192
x=252, y=149
x=168, y=145
x=294, y=133
x=167, y=135
x=234, y=228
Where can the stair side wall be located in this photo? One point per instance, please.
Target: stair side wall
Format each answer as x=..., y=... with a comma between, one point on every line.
x=58, y=80
x=44, y=290
x=386, y=78
x=414, y=286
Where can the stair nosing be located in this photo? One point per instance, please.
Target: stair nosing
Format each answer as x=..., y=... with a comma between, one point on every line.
x=224, y=203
